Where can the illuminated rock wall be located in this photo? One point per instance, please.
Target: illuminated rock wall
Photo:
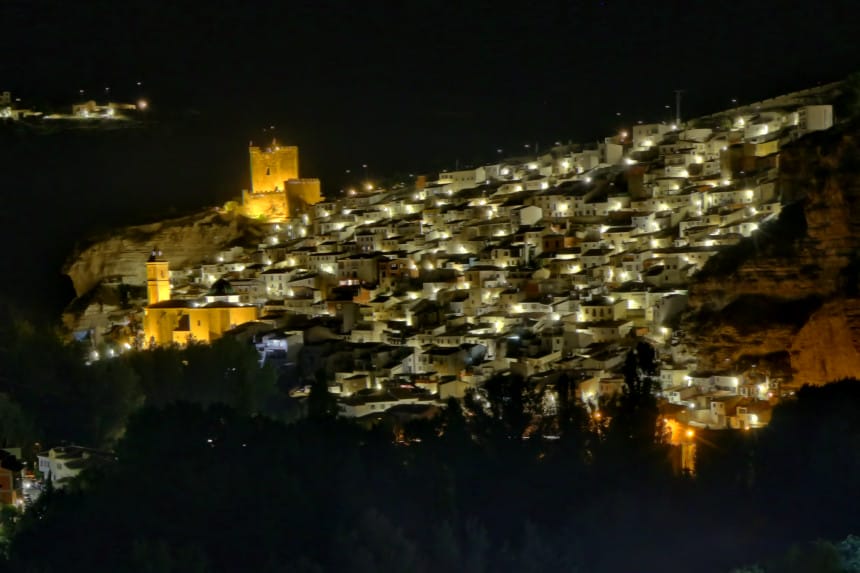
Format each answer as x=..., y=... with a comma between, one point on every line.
x=186, y=240
x=800, y=300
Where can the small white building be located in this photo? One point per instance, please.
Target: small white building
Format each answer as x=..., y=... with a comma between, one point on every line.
x=814, y=118
x=61, y=464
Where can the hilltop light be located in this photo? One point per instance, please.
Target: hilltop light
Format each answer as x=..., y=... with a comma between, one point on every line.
x=142, y=104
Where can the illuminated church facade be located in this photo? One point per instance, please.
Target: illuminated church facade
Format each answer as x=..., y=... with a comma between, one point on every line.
x=167, y=321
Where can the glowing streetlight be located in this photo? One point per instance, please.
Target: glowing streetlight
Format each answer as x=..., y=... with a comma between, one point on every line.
x=142, y=104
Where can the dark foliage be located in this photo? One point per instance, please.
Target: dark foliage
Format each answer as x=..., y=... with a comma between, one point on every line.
x=499, y=484
x=49, y=394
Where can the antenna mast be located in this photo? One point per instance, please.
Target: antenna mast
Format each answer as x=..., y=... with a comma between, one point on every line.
x=678, y=106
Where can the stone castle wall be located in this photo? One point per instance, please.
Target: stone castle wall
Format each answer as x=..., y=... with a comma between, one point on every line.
x=272, y=166
x=270, y=206
x=277, y=193
x=302, y=193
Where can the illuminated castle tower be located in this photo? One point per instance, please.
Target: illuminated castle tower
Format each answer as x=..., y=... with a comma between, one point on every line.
x=277, y=193
x=272, y=167
x=157, y=278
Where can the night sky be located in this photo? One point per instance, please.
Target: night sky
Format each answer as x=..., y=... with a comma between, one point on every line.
x=418, y=85
x=402, y=87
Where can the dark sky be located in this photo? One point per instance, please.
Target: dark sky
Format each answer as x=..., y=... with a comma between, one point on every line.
x=416, y=85
x=411, y=86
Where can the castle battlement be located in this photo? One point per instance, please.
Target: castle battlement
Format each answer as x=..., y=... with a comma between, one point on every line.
x=277, y=192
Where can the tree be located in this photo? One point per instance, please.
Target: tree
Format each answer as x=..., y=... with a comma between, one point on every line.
x=322, y=404
x=634, y=434
x=16, y=427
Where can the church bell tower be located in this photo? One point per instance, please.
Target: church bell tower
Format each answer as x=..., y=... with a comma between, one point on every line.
x=157, y=278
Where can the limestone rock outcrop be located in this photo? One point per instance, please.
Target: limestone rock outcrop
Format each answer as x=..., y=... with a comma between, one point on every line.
x=827, y=348
x=185, y=240
x=788, y=296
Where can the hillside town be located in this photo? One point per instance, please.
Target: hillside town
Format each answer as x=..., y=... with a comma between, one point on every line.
x=546, y=265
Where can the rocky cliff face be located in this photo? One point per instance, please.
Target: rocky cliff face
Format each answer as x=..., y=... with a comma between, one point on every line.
x=185, y=240
x=788, y=297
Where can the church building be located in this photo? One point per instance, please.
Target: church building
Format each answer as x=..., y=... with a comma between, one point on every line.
x=167, y=321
